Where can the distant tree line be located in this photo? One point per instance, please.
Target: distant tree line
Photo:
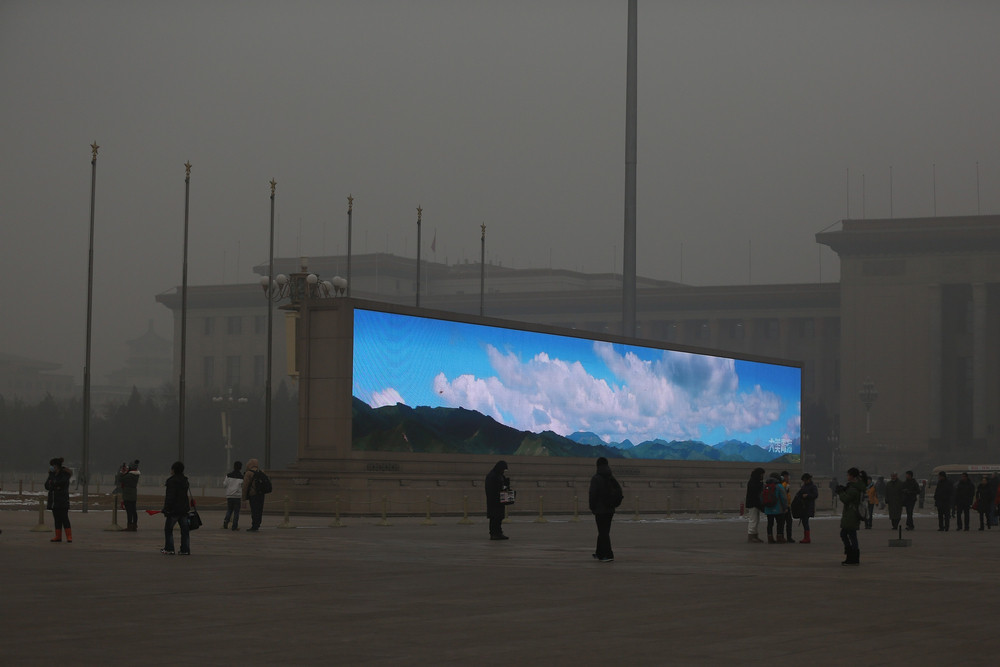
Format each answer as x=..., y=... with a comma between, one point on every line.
x=145, y=427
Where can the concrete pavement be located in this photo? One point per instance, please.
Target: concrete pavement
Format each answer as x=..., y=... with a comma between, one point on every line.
x=682, y=592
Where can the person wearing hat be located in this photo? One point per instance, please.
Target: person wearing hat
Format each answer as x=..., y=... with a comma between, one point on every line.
x=496, y=481
x=57, y=485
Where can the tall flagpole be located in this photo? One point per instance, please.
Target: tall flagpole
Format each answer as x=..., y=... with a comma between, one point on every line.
x=628, y=248
x=85, y=464
x=350, y=210
x=270, y=338
x=419, y=212
x=482, y=271
x=182, y=388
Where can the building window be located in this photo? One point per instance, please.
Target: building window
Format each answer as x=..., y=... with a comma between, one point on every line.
x=259, y=324
x=232, y=372
x=234, y=326
x=259, y=371
x=208, y=372
x=209, y=326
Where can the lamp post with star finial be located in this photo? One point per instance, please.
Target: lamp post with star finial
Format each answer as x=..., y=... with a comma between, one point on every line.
x=85, y=465
x=482, y=270
x=419, y=212
x=182, y=381
x=350, y=211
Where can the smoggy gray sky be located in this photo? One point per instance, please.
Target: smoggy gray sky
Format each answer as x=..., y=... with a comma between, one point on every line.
x=759, y=124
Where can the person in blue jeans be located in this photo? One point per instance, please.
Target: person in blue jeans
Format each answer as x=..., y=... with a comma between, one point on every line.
x=175, y=510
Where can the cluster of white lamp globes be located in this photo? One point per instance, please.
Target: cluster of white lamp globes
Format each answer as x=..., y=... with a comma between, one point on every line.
x=322, y=288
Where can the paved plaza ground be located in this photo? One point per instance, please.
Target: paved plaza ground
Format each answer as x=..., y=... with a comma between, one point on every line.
x=682, y=591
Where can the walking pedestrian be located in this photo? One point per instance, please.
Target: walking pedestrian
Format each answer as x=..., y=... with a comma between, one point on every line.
x=965, y=493
x=752, y=504
x=175, y=510
x=605, y=496
x=234, y=495
x=911, y=490
x=129, y=483
x=943, y=495
x=984, y=500
x=57, y=485
x=253, y=494
x=894, y=499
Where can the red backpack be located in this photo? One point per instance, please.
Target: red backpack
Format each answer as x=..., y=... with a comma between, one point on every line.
x=769, y=495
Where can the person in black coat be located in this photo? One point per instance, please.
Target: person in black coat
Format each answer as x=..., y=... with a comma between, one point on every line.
x=965, y=493
x=808, y=493
x=496, y=481
x=175, y=510
x=605, y=496
x=753, y=505
x=57, y=485
x=943, y=495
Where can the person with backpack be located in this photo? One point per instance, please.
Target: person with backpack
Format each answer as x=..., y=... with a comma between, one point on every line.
x=851, y=495
x=775, y=502
x=805, y=499
x=234, y=495
x=256, y=484
x=755, y=486
x=605, y=496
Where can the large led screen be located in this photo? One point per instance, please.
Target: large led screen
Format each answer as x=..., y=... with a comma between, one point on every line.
x=431, y=385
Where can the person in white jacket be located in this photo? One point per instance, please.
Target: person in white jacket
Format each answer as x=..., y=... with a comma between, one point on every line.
x=234, y=495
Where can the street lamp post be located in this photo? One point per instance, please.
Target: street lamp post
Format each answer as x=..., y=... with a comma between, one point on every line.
x=228, y=403
x=868, y=394
x=85, y=464
x=419, y=212
x=350, y=211
x=182, y=382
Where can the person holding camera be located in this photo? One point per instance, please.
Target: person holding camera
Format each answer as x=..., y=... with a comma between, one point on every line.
x=851, y=496
x=496, y=481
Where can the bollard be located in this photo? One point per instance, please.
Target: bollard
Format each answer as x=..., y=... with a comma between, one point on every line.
x=40, y=528
x=336, y=513
x=540, y=519
x=20, y=489
x=668, y=506
x=465, y=520
x=720, y=506
x=428, y=521
x=576, y=509
x=697, y=505
x=114, y=515
x=286, y=523
x=635, y=517
x=385, y=512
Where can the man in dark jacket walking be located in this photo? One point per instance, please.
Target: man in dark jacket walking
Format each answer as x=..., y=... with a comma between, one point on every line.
x=894, y=499
x=753, y=505
x=496, y=481
x=175, y=510
x=943, y=495
x=965, y=493
x=911, y=490
x=605, y=496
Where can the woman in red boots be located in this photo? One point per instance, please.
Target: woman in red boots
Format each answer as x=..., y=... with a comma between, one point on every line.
x=58, y=487
x=808, y=493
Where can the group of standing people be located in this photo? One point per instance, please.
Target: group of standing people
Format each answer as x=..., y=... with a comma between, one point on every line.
x=250, y=486
x=964, y=496
x=773, y=498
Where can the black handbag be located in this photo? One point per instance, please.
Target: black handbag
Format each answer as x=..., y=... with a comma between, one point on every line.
x=194, y=519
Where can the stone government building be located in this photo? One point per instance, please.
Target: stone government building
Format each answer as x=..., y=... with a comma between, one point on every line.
x=912, y=314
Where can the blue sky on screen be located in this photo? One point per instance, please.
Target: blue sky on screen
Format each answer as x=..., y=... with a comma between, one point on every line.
x=536, y=382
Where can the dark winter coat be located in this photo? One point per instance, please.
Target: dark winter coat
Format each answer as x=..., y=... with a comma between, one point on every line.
x=984, y=499
x=755, y=486
x=965, y=491
x=809, y=493
x=944, y=493
x=58, y=487
x=851, y=496
x=894, y=493
x=496, y=482
x=130, y=485
x=605, y=492
x=175, y=501
x=910, y=490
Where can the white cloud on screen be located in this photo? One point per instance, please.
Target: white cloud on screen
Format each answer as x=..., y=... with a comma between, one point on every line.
x=386, y=397
x=676, y=396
